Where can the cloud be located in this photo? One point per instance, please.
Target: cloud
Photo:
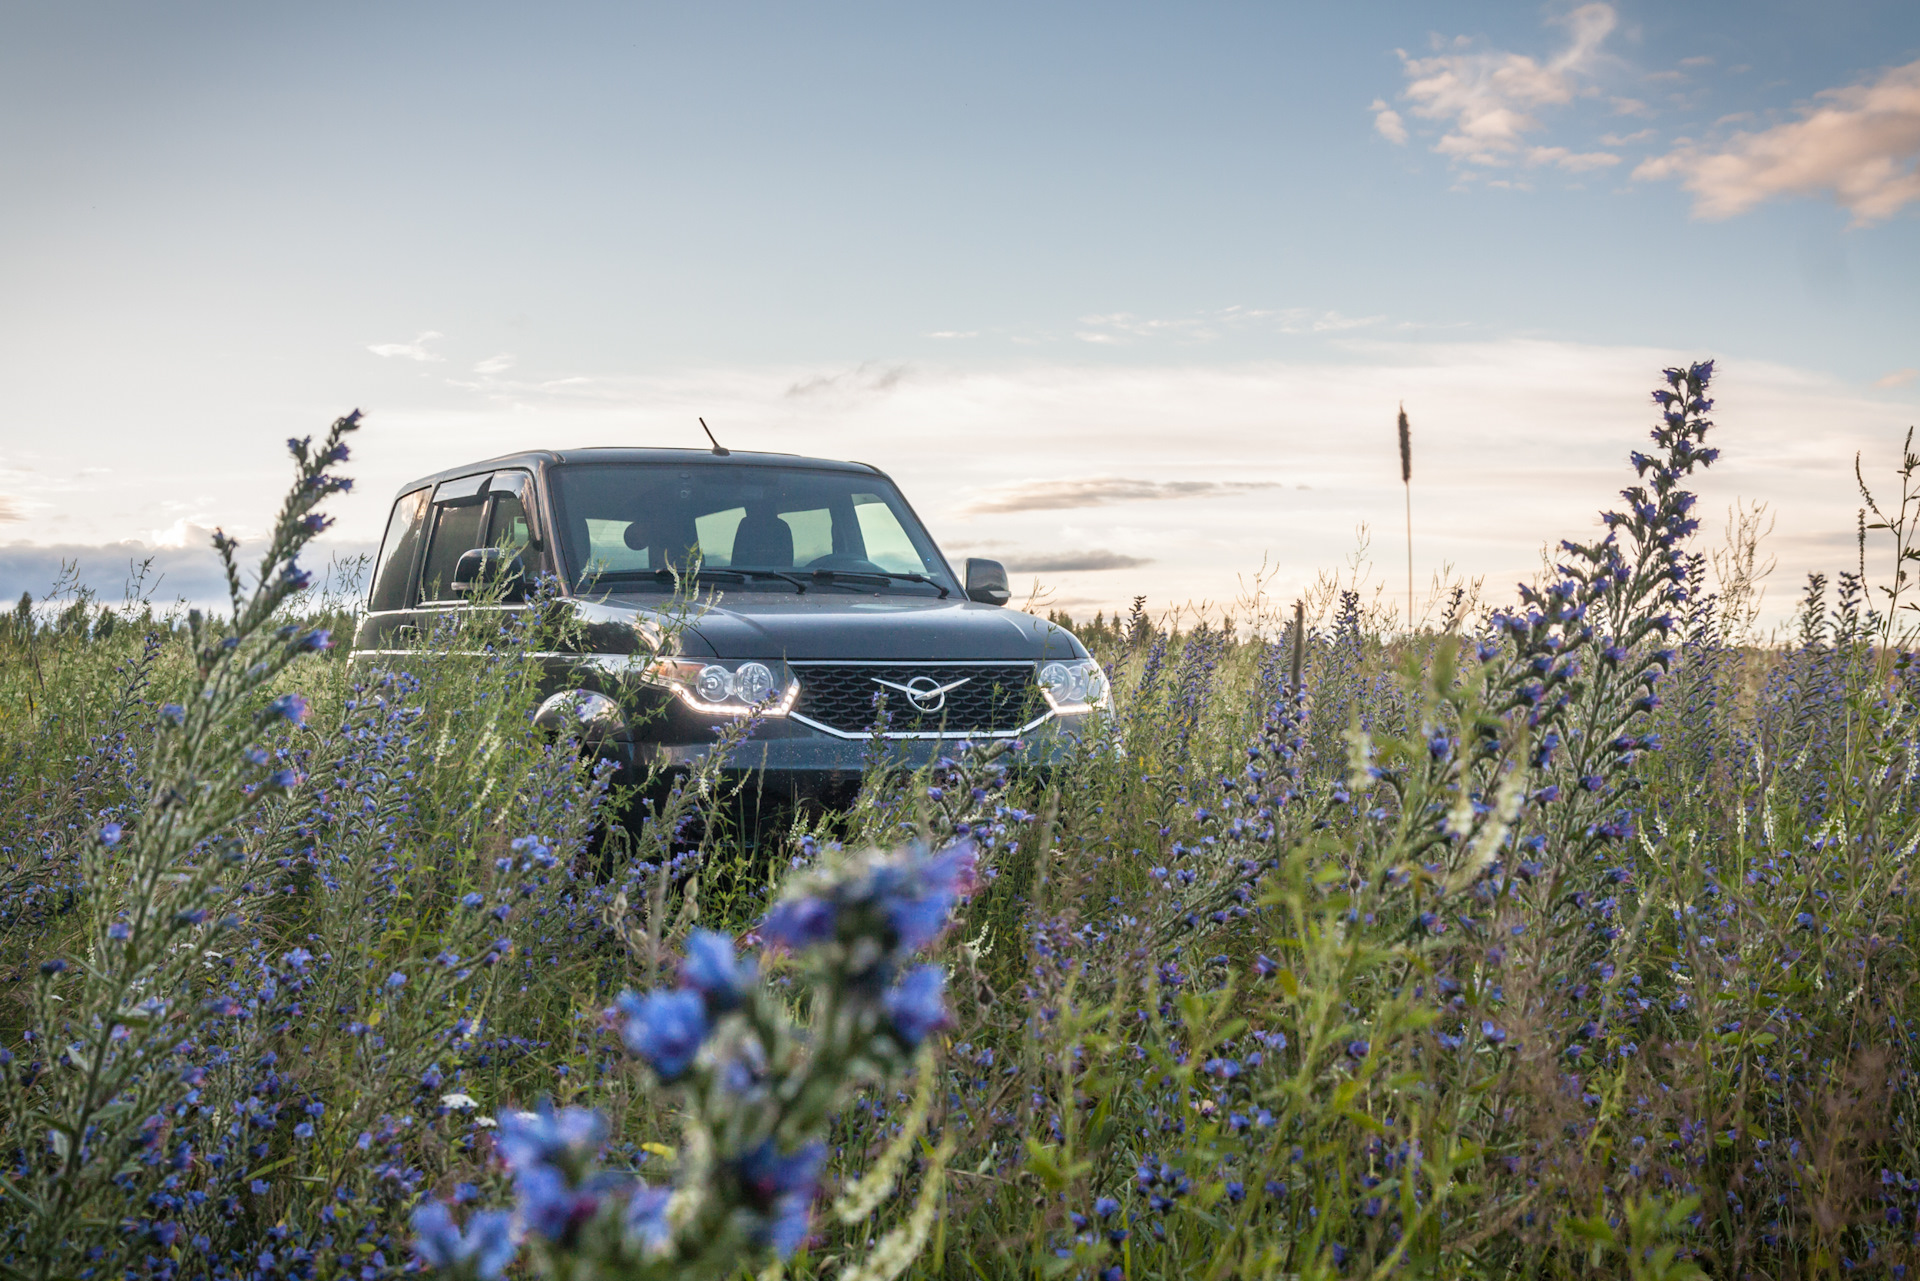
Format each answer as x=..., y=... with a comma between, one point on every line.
x=191, y=573
x=415, y=350
x=1574, y=162
x=867, y=377
x=1898, y=378
x=1387, y=122
x=494, y=364
x=10, y=509
x=1081, y=562
x=1099, y=491
x=1489, y=97
x=955, y=333
x=1858, y=142
x=1123, y=326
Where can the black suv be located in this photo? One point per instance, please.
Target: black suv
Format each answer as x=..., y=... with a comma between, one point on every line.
x=814, y=589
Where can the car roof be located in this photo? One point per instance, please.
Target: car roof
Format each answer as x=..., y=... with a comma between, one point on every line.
x=541, y=459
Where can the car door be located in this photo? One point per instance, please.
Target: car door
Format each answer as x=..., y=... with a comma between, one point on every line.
x=384, y=630
x=456, y=524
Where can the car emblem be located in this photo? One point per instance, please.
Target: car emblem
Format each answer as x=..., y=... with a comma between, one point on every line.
x=925, y=693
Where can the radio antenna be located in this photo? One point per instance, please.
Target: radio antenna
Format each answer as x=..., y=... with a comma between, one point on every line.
x=718, y=448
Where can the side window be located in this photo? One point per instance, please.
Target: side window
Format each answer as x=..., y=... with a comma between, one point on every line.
x=456, y=529
x=507, y=523
x=398, y=551
x=887, y=543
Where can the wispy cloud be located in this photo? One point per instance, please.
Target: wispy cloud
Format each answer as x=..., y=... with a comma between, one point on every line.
x=1857, y=142
x=1099, y=491
x=415, y=350
x=869, y=376
x=1125, y=326
x=1898, y=378
x=955, y=333
x=1489, y=97
x=10, y=508
x=1064, y=562
x=494, y=364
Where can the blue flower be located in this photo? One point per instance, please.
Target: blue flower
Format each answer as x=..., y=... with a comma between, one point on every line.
x=1492, y=1032
x=550, y=1204
x=646, y=1219
x=663, y=1029
x=916, y=1005
x=782, y=1188
x=1106, y=1207
x=799, y=923
x=569, y=1138
x=174, y=713
x=711, y=969
x=919, y=909
x=288, y=707
x=110, y=833
x=487, y=1242
x=397, y=979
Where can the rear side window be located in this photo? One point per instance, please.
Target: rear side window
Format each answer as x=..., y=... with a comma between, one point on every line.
x=456, y=529
x=398, y=551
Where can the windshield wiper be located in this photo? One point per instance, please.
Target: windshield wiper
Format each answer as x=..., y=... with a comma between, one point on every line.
x=831, y=575
x=741, y=575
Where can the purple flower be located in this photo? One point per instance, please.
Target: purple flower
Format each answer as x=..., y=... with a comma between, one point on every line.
x=1492, y=1032
x=711, y=969
x=782, y=1189
x=799, y=923
x=287, y=707
x=174, y=713
x=1106, y=1207
x=1357, y=1049
x=314, y=641
x=397, y=979
x=110, y=833
x=663, y=1029
x=550, y=1204
x=916, y=1005
x=487, y=1243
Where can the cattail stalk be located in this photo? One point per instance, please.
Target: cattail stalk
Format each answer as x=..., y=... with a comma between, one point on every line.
x=1406, y=480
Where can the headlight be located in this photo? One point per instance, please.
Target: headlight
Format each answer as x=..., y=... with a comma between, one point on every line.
x=1074, y=687
x=728, y=688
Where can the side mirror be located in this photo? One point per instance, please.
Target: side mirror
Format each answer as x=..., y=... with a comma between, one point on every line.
x=987, y=582
x=487, y=564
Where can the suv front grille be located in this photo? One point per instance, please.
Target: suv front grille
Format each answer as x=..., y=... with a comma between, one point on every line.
x=979, y=699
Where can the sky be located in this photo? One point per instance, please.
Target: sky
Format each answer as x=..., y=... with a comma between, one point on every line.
x=1124, y=295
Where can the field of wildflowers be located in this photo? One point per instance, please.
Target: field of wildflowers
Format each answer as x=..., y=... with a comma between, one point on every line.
x=1565, y=939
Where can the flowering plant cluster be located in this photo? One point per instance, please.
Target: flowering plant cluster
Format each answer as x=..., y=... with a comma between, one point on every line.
x=758, y=1090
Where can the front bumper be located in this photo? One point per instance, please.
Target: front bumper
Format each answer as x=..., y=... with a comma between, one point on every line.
x=783, y=759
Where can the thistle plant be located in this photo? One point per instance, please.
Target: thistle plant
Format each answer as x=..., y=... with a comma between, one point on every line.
x=108, y=1028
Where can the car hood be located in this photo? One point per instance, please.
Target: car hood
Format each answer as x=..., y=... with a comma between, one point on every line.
x=857, y=627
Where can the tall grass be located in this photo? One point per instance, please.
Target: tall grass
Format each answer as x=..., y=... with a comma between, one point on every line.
x=1573, y=939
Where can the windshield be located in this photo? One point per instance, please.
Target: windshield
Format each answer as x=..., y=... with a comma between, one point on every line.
x=622, y=524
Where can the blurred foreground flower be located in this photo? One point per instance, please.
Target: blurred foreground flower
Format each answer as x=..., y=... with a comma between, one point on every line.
x=757, y=1091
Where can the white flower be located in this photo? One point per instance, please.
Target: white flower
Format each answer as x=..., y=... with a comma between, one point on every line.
x=458, y=1102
